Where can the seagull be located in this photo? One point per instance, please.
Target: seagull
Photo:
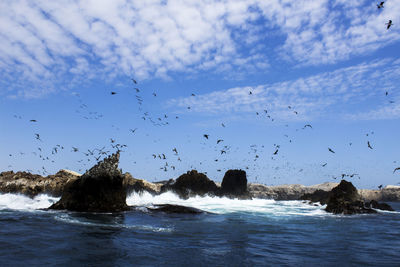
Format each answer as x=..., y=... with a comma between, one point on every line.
x=75, y=149
x=369, y=145
x=37, y=136
x=380, y=187
x=323, y=165
x=137, y=90
x=307, y=125
x=330, y=150
x=154, y=94
x=223, y=125
x=133, y=130
x=206, y=136
x=397, y=169
x=276, y=152
x=389, y=24
x=154, y=155
x=113, y=93
x=193, y=95
x=250, y=93
x=386, y=93
x=176, y=151
x=33, y=120
x=134, y=81
x=223, y=151
x=380, y=5
x=219, y=141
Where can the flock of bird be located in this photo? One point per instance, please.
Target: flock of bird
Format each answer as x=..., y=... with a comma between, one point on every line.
x=97, y=153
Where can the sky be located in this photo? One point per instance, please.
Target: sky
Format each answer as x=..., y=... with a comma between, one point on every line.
x=290, y=91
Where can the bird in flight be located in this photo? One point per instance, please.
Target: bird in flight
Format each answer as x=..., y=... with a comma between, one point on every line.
x=223, y=125
x=206, y=136
x=369, y=145
x=396, y=169
x=113, y=93
x=330, y=150
x=276, y=151
x=380, y=5
x=307, y=125
x=176, y=151
x=219, y=141
x=133, y=130
x=380, y=187
x=33, y=120
x=37, y=136
x=323, y=165
x=134, y=81
x=75, y=149
x=389, y=24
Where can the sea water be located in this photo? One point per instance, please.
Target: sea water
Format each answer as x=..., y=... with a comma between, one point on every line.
x=233, y=232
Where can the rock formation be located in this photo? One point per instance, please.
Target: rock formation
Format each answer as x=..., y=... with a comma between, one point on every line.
x=168, y=208
x=190, y=184
x=100, y=189
x=234, y=184
x=34, y=184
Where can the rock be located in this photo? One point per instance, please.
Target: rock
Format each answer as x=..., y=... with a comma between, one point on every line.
x=34, y=184
x=138, y=185
x=380, y=206
x=190, y=184
x=168, y=208
x=286, y=192
x=100, y=189
x=318, y=195
x=344, y=199
x=234, y=184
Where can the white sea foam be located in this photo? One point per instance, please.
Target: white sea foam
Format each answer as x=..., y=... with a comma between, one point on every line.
x=21, y=202
x=225, y=205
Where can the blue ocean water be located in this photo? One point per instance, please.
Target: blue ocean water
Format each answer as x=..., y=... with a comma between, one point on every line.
x=234, y=233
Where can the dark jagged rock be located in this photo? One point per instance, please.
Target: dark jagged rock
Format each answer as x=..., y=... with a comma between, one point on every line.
x=100, y=189
x=319, y=195
x=168, y=208
x=344, y=199
x=234, y=184
x=380, y=206
x=190, y=184
x=137, y=185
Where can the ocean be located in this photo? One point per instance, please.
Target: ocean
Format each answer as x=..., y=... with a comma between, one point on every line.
x=254, y=232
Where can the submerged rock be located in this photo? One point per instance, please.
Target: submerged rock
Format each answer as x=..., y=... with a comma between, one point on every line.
x=168, y=208
x=100, y=189
x=380, y=206
x=190, y=184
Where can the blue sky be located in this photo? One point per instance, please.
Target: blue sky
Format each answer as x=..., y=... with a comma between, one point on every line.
x=251, y=73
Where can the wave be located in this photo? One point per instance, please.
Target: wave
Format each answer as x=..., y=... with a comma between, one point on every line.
x=223, y=205
x=21, y=202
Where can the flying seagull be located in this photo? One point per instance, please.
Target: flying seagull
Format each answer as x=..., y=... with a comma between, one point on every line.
x=33, y=120
x=113, y=93
x=323, y=165
x=330, y=150
x=206, y=136
x=134, y=81
x=276, y=152
x=307, y=125
x=397, y=169
x=176, y=151
x=219, y=141
x=380, y=5
x=389, y=24
x=369, y=145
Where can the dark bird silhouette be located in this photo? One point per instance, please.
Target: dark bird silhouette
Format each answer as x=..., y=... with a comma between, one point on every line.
x=396, y=169
x=380, y=5
x=137, y=90
x=174, y=150
x=276, y=152
x=223, y=151
x=37, y=136
x=154, y=94
x=386, y=93
x=154, y=156
x=250, y=93
x=134, y=81
x=223, y=125
x=133, y=130
x=219, y=141
x=330, y=150
x=193, y=95
x=206, y=136
x=389, y=24
x=307, y=125
x=369, y=145
x=113, y=93
x=75, y=149
x=33, y=120
x=380, y=187
x=323, y=165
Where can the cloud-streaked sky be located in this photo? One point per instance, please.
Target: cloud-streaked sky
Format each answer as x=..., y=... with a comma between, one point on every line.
x=255, y=66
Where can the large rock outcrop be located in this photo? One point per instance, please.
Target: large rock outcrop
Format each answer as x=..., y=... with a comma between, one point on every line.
x=191, y=184
x=234, y=184
x=100, y=189
x=34, y=184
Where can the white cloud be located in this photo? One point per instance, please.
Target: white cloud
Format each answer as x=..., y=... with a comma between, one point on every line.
x=155, y=38
x=344, y=90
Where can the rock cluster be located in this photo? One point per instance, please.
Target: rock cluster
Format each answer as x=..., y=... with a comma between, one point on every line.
x=191, y=184
x=100, y=189
x=345, y=199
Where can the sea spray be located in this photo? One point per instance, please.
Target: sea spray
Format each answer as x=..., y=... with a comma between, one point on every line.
x=21, y=202
x=223, y=205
